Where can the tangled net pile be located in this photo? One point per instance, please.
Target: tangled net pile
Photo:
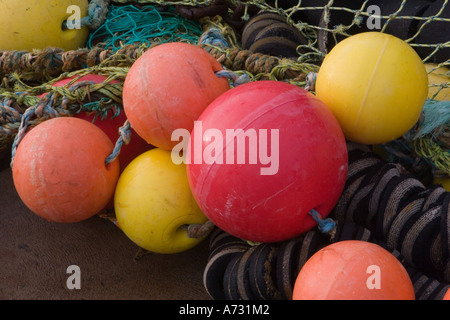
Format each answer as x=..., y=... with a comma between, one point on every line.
x=413, y=217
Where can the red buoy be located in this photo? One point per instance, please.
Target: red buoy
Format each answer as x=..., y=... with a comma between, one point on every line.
x=262, y=156
x=59, y=170
x=167, y=88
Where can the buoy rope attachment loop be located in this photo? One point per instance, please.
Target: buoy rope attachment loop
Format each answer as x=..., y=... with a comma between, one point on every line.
x=325, y=225
x=43, y=110
x=235, y=78
x=124, y=138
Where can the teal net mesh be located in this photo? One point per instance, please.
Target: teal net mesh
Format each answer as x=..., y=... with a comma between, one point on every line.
x=128, y=24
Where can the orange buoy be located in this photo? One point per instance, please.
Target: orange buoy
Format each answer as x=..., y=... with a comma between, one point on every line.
x=59, y=170
x=353, y=270
x=111, y=124
x=447, y=295
x=168, y=88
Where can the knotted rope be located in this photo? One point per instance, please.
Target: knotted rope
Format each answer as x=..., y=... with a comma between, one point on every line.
x=97, y=11
x=68, y=100
x=49, y=63
x=259, y=66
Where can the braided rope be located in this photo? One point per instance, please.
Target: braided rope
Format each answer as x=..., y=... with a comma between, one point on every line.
x=67, y=100
x=399, y=210
x=426, y=147
x=97, y=11
x=237, y=270
x=381, y=203
x=52, y=62
x=216, y=40
x=438, y=156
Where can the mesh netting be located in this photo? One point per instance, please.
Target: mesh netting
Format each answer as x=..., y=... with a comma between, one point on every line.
x=122, y=30
x=423, y=24
x=128, y=24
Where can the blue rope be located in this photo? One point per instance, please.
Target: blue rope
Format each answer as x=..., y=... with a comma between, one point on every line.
x=43, y=110
x=124, y=138
x=97, y=11
x=235, y=78
x=436, y=118
x=214, y=37
x=325, y=225
x=311, y=81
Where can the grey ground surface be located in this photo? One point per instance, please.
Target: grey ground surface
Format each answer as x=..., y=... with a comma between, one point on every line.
x=35, y=255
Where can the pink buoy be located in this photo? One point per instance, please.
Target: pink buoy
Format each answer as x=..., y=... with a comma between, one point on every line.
x=262, y=156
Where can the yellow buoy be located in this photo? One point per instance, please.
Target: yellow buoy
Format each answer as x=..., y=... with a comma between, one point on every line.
x=444, y=182
x=37, y=24
x=376, y=86
x=153, y=201
x=437, y=77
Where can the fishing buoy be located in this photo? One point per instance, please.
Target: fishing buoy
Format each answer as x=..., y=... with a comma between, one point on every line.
x=261, y=156
x=353, y=270
x=376, y=86
x=111, y=125
x=29, y=24
x=447, y=295
x=153, y=202
x=167, y=88
x=443, y=181
x=59, y=170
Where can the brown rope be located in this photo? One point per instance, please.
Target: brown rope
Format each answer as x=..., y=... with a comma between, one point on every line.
x=52, y=62
x=199, y=230
x=254, y=63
